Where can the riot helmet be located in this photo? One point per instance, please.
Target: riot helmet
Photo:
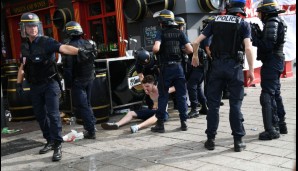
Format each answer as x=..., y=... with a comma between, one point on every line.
x=165, y=17
x=73, y=29
x=180, y=21
x=142, y=56
x=30, y=19
x=236, y=6
x=269, y=6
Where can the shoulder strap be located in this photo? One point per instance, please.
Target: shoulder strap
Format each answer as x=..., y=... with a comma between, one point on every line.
x=235, y=35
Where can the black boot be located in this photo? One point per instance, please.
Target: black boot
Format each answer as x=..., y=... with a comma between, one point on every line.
x=193, y=113
x=159, y=127
x=239, y=145
x=282, y=126
x=46, y=148
x=209, y=144
x=57, y=155
x=89, y=135
x=183, y=126
x=204, y=109
x=267, y=113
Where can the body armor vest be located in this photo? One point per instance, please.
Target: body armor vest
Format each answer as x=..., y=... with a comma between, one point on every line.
x=224, y=42
x=275, y=31
x=81, y=70
x=170, y=45
x=39, y=66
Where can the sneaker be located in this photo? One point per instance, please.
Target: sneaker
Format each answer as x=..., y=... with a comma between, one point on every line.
x=109, y=126
x=134, y=129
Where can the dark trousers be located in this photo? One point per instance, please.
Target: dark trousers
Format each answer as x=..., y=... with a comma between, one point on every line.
x=81, y=93
x=172, y=75
x=270, y=83
x=225, y=71
x=45, y=101
x=194, y=87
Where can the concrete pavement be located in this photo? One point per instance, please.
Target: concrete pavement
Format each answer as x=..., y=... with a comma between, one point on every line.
x=173, y=150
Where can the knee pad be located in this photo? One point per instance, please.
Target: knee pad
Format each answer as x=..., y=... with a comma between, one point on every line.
x=265, y=99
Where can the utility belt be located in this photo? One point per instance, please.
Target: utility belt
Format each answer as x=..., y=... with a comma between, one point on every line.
x=171, y=63
x=52, y=78
x=239, y=57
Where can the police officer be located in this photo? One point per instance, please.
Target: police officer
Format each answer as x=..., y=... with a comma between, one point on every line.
x=39, y=68
x=227, y=68
x=79, y=76
x=270, y=43
x=146, y=65
x=167, y=47
x=194, y=85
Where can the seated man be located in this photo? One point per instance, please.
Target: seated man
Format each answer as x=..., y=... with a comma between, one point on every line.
x=148, y=115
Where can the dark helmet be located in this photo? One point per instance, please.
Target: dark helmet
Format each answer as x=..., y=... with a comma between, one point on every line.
x=180, y=21
x=73, y=29
x=269, y=6
x=28, y=19
x=142, y=56
x=237, y=6
x=165, y=17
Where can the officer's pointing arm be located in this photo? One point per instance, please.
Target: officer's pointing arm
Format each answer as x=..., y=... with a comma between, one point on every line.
x=69, y=50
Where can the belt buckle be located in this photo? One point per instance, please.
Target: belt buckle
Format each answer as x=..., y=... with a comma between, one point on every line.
x=171, y=62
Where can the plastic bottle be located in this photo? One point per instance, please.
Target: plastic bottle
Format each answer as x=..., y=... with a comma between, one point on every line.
x=72, y=123
x=8, y=115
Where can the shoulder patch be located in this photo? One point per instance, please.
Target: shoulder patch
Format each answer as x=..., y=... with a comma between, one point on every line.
x=226, y=18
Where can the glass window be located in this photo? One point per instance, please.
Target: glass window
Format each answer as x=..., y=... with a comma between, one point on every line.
x=110, y=5
x=96, y=32
x=111, y=29
x=94, y=9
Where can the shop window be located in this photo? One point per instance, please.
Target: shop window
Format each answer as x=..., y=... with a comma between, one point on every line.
x=110, y=5
x=103, y=27
x=112, y=31
x=95, y=9
x=96, y=30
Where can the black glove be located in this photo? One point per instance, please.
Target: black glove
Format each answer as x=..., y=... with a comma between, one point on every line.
x=83, y=55
x=20, y=89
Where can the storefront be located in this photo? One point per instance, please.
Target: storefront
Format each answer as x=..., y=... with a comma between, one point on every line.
x=98, y=18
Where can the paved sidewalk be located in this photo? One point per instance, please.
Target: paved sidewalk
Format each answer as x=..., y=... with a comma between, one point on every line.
x=174, y=150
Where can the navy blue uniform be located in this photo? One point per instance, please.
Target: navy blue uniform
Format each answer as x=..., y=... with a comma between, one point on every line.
x=270, y=51
x=226, y=69
x=195, y=80
x=80, y=76
x=44, y=89
x=171, y=74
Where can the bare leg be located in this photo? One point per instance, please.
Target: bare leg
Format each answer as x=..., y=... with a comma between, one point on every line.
x=150, y=121
x=127, y=118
